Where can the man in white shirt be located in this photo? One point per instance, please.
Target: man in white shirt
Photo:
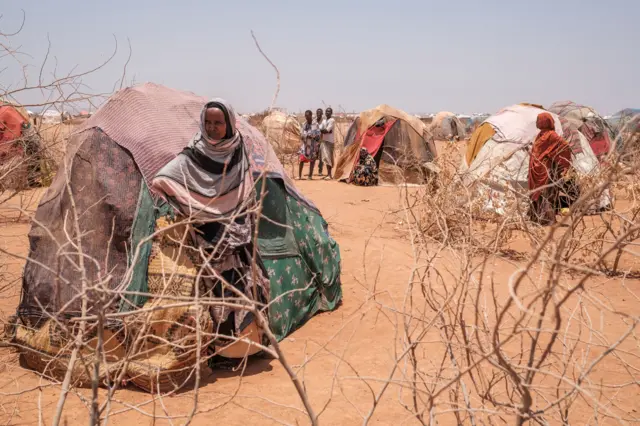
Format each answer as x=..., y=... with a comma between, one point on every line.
x=319, y=121
x=319, y=117
x=327, y=143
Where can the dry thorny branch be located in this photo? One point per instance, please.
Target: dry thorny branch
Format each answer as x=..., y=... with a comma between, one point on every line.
x=484, y=333
x=85, y=357
x=524, y=337
x=530, y=337
x=30, y=161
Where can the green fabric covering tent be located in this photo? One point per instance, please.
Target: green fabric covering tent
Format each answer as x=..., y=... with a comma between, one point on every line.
x=301, y=258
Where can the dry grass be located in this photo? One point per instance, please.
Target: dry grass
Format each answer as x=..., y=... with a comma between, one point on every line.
x=524, y=344
x=55, y=138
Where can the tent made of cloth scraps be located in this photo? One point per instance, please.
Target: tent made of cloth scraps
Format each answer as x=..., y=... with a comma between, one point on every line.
x=496, y=163
x=108, y=164
x=11, y=125
x=403, y=139
x=282, y=131
x=587, y=121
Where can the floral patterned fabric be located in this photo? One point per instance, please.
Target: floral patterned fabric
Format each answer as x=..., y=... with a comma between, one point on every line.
x=366, y=171
x=310, y=142
x=304, y=283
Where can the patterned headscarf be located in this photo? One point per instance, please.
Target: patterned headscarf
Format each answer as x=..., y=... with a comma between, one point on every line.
x=209, y=177
x=217, y=149
x=363, y=154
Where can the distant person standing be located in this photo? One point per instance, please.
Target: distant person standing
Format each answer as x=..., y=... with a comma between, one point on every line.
x=550, y=160
x=327, y=143
x=319, y=117
x=310, y=137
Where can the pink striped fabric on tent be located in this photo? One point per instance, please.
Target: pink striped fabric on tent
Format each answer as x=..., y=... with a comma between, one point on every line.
x=154, y=123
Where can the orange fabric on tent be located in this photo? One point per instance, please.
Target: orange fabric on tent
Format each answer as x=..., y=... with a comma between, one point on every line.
x=11, y=123
x=479, y=137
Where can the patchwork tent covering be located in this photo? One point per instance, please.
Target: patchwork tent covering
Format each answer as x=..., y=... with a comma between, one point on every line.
x=497, y=159
x=109, y=164
x=588, y=122
x=479, y=137
x=517, y=124
x=18, y=108
x=402, y=141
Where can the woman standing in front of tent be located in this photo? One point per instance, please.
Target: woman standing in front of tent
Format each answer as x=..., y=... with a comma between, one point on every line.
x=210, y=183
x=550, y=159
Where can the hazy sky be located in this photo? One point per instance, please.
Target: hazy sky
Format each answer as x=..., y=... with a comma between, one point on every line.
x=420, y=56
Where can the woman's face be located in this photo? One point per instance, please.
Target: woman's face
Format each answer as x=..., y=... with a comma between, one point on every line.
x=214, y=124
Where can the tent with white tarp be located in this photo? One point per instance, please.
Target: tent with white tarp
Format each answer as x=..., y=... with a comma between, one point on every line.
x=498, y=153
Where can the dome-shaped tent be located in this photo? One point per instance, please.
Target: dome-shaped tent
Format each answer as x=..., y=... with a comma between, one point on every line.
x=109, y=163
x=588, y=122
x=12, y=126
x=497, y=157
x=447, y=126
x=282, y=131
x=399, y=142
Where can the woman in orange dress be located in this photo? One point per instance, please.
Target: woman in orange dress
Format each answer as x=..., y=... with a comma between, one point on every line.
x=550, y=159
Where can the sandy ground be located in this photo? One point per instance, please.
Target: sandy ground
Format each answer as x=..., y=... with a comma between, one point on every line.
x=353, y=215
x=358, y=339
